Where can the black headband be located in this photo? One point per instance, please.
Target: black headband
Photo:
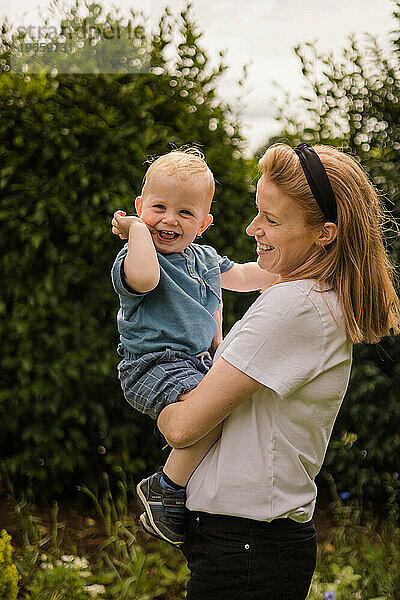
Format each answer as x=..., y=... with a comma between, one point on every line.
x=318, y=180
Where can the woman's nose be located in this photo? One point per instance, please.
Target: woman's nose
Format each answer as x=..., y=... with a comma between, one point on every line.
x=253, y=229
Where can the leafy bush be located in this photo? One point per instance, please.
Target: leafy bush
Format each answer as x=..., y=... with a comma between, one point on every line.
x=8, y=571
x=359, y=559
x=73, y=149
x=59, y=583
x=353, y=101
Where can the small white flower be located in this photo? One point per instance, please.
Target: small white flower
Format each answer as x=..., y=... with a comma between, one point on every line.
x=59, y=563
x=95, y=589
x=43, y=557
x=80, y=563
x=85, y=573
x=68, y=558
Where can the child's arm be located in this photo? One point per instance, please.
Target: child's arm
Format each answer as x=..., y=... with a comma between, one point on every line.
x=247, y=277
x=141, y=267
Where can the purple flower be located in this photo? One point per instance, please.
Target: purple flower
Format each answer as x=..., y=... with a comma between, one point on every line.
x=343, y=496
x=330, y=595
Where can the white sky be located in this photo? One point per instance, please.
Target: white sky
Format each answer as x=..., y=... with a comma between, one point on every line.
x=261, y=31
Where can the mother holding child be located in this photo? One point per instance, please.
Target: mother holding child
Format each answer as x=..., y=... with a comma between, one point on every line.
x=249, y=433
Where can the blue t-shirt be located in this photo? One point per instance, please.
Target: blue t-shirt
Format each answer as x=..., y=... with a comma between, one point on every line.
x=178, y=312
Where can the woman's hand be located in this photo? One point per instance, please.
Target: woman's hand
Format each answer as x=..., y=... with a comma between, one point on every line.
x=222, y=390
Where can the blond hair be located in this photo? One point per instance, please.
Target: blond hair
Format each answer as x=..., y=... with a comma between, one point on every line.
x=356, y=265
x=185, y=165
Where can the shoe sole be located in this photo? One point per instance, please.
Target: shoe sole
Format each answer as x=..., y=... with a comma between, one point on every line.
x=146, y=526
x=149, y=516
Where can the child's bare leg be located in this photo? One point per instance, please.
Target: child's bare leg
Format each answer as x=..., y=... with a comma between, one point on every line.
x=181, y=462
x=163, y=494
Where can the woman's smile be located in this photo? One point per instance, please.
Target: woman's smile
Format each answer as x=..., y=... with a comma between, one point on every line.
x=264, y=248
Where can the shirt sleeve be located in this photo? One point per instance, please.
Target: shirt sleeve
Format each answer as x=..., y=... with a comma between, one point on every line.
x=280, y=342
x=118, y=276
x=224, y=263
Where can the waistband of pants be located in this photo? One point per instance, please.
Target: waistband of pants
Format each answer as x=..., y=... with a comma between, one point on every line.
x=201, y=355
x=242, y=523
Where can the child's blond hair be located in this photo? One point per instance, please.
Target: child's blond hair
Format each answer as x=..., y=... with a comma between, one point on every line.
x=186, y=164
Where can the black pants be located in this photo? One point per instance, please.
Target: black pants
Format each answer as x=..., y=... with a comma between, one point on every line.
x=231, y=558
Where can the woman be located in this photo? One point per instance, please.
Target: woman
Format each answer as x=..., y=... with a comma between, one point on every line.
x=280, y=375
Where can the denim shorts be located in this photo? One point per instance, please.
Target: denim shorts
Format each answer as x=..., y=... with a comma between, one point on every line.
x=152, y=381
x=231, y=558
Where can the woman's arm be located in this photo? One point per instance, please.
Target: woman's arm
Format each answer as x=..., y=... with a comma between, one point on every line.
x=217, y=395
x=247, y=277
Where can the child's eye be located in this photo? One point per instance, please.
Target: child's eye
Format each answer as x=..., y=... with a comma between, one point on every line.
x=187, y=212
x=161, y=206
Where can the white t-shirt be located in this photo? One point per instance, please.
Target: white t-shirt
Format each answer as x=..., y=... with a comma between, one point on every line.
x=273, y=445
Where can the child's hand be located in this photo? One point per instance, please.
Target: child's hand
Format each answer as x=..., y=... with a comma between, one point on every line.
x=121, y=224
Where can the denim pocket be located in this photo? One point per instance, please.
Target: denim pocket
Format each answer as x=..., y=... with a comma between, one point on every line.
x=297, y=559
x=224, y=538
x=219, y=563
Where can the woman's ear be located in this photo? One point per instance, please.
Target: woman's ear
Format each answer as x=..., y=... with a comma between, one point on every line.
x=327, y=234
x=138, y=205
x=205, y=224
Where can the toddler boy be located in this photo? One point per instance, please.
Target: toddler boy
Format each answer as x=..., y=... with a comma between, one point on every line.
x=170, y=289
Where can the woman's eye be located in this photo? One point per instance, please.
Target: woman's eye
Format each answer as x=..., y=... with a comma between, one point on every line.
x=270, y=220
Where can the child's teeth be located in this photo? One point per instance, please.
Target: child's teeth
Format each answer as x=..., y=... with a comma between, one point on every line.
x=167, y=234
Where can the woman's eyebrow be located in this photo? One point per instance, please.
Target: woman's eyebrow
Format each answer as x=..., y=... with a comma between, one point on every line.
x=268, y=212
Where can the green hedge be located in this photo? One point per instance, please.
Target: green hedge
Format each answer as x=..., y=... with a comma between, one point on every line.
x=73, y=150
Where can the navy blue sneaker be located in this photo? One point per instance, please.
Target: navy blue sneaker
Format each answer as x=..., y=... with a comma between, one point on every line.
x=146, y=525
x=165, y=509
